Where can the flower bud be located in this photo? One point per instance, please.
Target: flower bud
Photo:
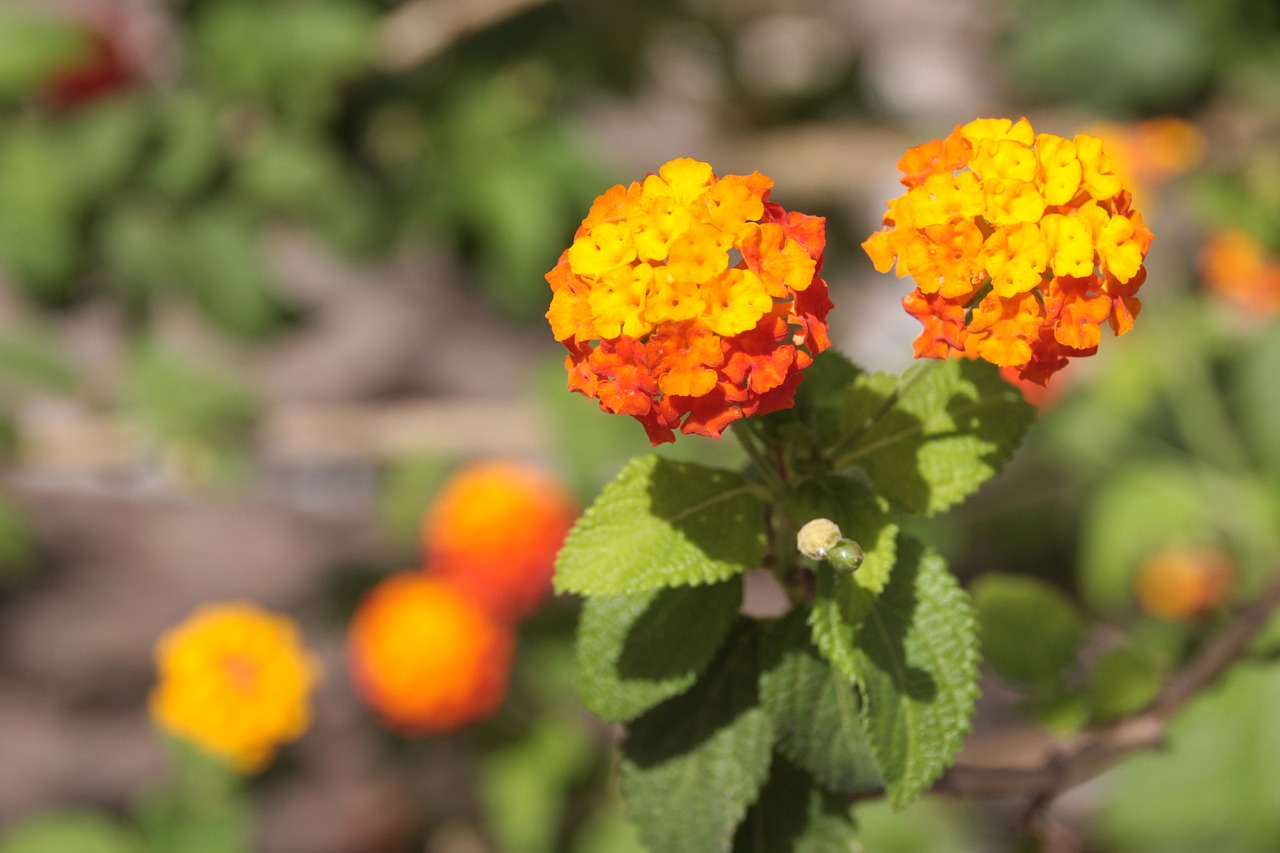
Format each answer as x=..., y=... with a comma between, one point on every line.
x=817, y=538
x=846, y=556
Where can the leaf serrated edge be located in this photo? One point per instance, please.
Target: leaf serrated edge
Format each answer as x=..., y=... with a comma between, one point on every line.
x=586, y=520
x=968, y=691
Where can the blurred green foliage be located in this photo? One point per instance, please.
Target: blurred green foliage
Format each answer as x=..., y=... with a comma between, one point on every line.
x=200, y=809
x=59, y=832
x=277, y=115
x=1136, y=57
x=1215, y=787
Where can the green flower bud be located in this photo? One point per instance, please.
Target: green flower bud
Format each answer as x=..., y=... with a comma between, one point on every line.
x=845, y=556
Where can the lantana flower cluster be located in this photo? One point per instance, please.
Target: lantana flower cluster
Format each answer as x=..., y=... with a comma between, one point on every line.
x=689, y=301
x=1240, y=269
x=1021, y=246
x=425, y=657
x=235, y=680
x=1185, y=583
x=430, y=649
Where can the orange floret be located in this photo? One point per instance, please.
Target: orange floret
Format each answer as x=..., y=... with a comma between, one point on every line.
x=1021, y=246
x=495, y=528
x=234, y=680
x=1180, y=584
x=425, y=657
x=663, y=296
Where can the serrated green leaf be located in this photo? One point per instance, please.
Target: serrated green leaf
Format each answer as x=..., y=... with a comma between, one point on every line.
x=950, y=429
x=914, y=658
x=692, y=766
x=819, y=398
x=663, y=524
x=816, y=714
x=1030, y=631
x=842, y=600
x=865, y=398
x=637, y=651
x=794, y=815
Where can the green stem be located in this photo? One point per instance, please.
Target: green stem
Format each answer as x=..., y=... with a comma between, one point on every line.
x=759, y=460
x=780, y=555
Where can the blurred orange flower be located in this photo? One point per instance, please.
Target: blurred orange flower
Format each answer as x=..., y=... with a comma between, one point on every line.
x=1179, y=584
x=1146, y=154
x=494, y=530
x=235, y=680
x=689, y=301
x=1021, y=245
x=1237, y=267
x=425, y=657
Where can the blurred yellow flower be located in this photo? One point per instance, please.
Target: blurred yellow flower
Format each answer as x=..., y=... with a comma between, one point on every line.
x=235, y=680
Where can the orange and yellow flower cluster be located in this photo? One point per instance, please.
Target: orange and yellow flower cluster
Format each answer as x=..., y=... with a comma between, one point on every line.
x=430, y=650
x=689, y=301
x=235, y=680
x=1021, y=246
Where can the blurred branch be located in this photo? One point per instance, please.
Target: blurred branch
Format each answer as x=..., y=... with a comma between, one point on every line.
x=1087, y=755
x=422, y=29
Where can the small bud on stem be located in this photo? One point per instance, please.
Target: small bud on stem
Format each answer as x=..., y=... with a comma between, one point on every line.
x=818, y=537
x=821, y=539
x=846, y=556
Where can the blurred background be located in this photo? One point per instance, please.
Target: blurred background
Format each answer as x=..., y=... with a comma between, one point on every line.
x=270, y=270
